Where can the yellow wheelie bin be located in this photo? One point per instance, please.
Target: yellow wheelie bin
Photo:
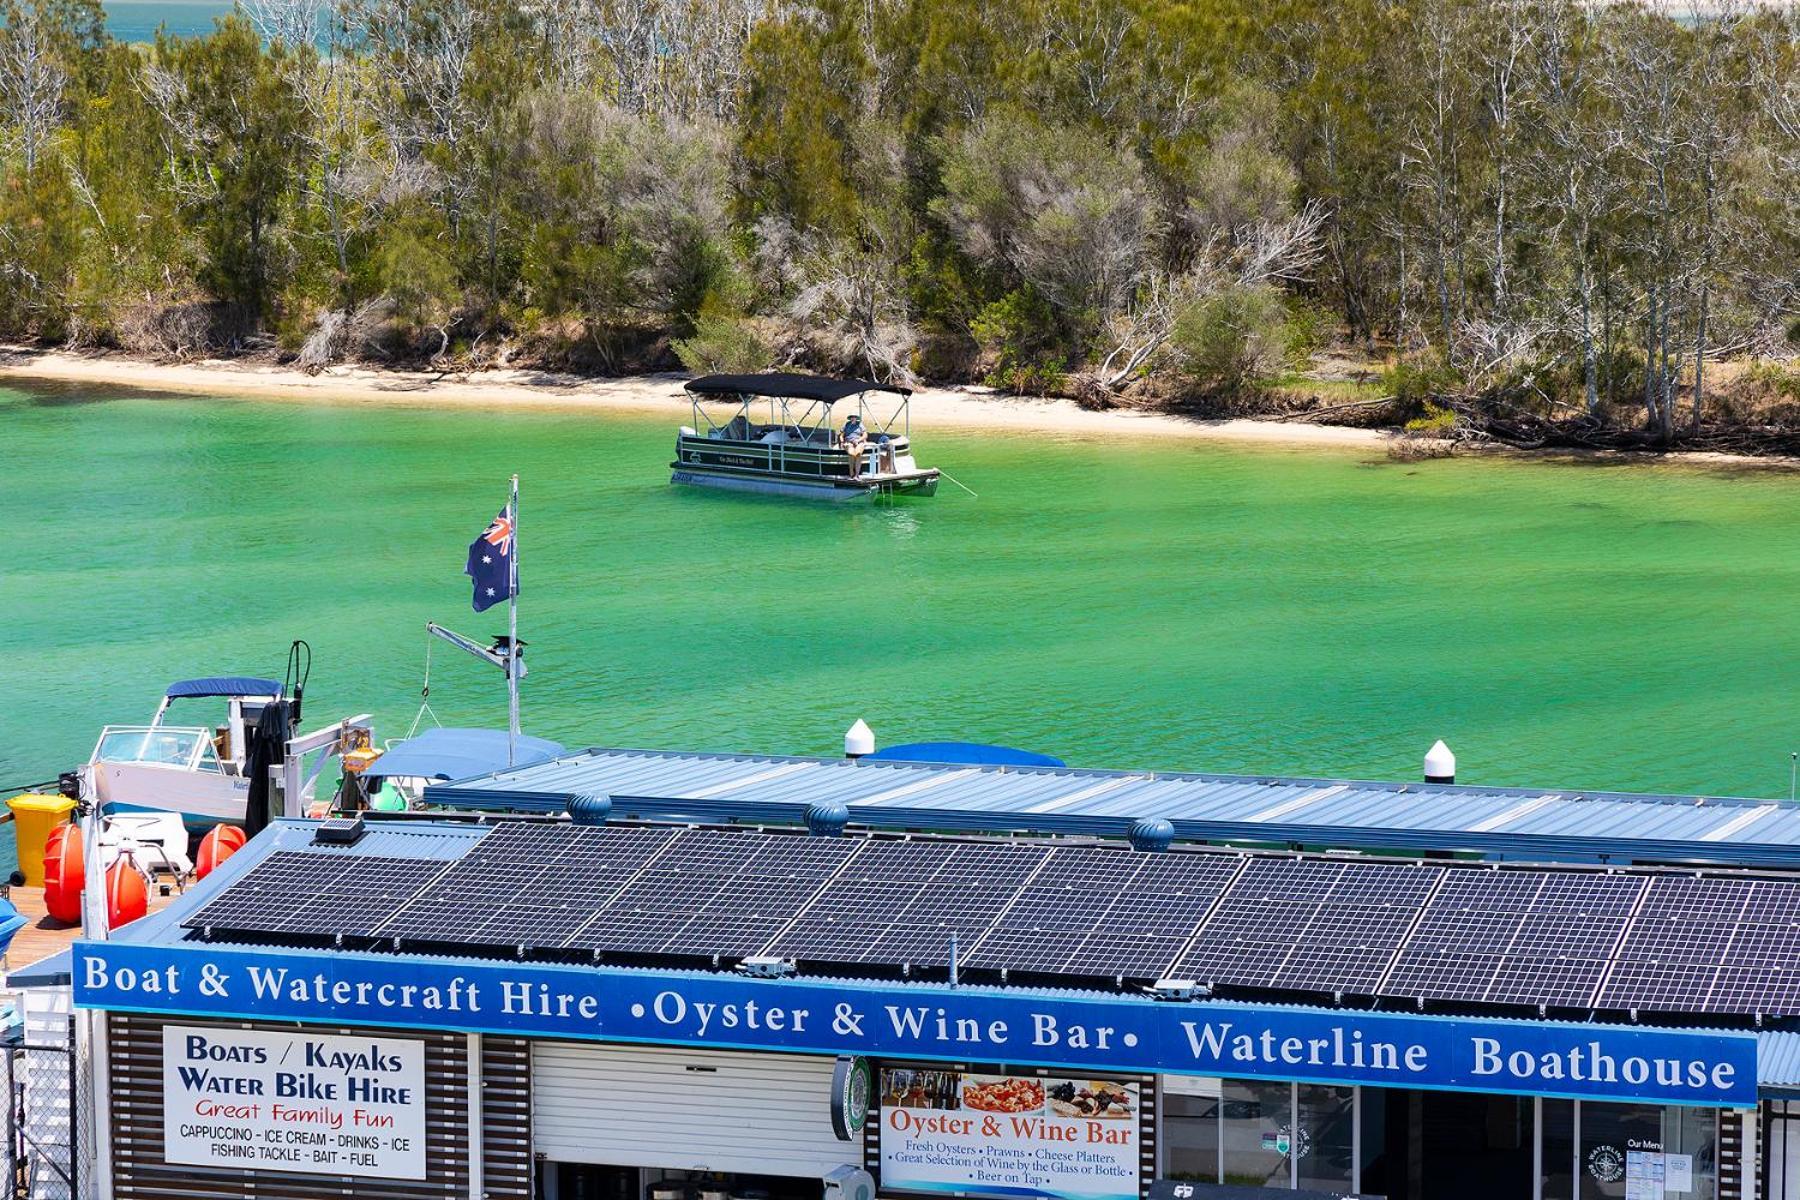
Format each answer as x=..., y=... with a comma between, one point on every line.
x=35, y=814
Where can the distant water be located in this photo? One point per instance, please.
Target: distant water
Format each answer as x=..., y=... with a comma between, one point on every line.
x=1137, y=603
x=137, y=20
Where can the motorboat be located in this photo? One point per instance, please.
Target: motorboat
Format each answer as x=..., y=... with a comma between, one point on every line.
x=778, y=433
x=193, y=769
x=204, y=771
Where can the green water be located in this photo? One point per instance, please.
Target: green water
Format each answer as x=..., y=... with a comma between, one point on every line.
x=1135, y=603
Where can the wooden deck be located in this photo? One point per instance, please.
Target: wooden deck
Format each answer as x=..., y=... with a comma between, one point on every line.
x=44, y=936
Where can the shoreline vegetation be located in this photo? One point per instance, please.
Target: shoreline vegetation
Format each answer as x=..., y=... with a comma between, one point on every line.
x=932, y=408
x=1544, y=224
x=975, y=409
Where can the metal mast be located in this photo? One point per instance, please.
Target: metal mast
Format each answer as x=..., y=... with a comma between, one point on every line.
x=512, y=633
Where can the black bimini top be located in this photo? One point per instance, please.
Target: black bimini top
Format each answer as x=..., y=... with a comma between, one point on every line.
x=789, y=386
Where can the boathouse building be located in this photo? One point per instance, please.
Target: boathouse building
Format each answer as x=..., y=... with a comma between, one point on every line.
x=625, y=975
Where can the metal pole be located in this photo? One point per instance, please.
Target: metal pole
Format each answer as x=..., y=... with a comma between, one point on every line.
x=512, y=619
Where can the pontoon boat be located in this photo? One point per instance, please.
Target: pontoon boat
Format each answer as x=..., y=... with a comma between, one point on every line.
x=792, y=446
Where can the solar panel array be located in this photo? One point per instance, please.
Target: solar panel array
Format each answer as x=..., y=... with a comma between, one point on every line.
x=1418, y=931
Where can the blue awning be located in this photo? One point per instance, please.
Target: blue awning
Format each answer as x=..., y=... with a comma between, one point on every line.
x=970, y=753
x=223, y=685
x=459, y=754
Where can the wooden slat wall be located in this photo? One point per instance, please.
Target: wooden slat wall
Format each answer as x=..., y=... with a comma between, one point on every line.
x=506, y=1117
x=139, y=1172
x=1735, y=1182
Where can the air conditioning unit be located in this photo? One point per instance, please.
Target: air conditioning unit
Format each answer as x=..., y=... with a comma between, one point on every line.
x=849, y=1183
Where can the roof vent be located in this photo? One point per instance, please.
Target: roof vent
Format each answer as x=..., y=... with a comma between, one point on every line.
x=1151, y=834
x=589, y=810
x=827, y=818
x=339, y=831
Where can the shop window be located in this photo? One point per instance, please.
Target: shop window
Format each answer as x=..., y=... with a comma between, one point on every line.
x=1781, y=1157
x=1257, y=1132
x=1647, y=1152
x=1190, y=1127
x=1557, y=1154
x=1325, y=1137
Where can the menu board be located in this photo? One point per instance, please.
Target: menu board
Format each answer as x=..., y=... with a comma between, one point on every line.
x=1071, y=1137
x=1644, y=1179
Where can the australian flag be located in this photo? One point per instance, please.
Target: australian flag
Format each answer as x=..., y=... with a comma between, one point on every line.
x=490, y=562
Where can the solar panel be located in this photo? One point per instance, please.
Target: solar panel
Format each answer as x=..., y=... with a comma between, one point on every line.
x=1104, y=911
x=1554, y=982
x=1507, y=936
x=1724, y=945
x=732, y=892
x=1310, y=924
x=1432, y=973
x=900, y=903
x=1659, y=986
x=1240, y=962
x=314, y=894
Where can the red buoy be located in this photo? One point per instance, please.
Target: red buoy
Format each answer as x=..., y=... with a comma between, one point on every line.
x=127, y=898
x=219, y=844
x=64, y=874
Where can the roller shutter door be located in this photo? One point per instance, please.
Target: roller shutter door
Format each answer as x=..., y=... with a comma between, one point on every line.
x=764, y=1114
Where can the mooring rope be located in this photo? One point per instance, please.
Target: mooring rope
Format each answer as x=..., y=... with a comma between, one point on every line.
x=957, y=482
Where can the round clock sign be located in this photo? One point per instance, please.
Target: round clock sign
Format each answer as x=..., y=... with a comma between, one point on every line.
x=851, y=1083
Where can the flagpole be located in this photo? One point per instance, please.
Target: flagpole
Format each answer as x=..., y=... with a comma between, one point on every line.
x=512, y=620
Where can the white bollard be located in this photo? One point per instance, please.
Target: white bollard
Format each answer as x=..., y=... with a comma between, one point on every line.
x=1440, y=764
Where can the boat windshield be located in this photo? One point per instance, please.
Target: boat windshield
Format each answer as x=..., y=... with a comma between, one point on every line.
x=156, y=746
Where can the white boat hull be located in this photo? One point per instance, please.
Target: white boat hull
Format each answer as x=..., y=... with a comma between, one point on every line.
x=201, y=798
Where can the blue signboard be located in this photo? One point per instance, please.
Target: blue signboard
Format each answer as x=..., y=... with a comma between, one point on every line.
x=923, y=1021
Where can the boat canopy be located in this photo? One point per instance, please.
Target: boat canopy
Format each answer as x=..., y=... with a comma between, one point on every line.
x=458, y=754
x=223, y=685
x=790, y=387
x=964, y=754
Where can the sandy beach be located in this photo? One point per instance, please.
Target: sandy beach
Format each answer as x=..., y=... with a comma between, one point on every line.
x=932, y=408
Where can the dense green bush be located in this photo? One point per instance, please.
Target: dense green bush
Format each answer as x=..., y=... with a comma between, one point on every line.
x=722, y=342
x=1240, y=339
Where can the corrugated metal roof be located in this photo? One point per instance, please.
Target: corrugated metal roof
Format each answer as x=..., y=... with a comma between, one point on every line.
x=1548, y=824
x=1778, y=1061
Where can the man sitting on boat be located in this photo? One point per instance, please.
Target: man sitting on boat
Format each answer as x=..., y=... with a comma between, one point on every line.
x=854, y=438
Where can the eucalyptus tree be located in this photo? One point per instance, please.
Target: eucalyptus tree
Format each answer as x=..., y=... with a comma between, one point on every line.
x=232, y=116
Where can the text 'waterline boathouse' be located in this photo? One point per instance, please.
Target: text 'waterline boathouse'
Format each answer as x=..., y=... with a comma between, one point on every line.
x=694, y=977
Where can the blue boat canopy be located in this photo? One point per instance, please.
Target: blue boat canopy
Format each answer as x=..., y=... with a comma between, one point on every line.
x=459, y=754
x=970, y=753
x=223, y=685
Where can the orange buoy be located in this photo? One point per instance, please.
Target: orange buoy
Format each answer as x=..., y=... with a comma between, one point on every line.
x=127, y=898
x=64, y=874
x=219, y=844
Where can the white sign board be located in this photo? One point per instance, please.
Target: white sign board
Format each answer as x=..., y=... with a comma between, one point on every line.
x=1678, y=1174
x=279, y=1101
x=1065, y=1137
